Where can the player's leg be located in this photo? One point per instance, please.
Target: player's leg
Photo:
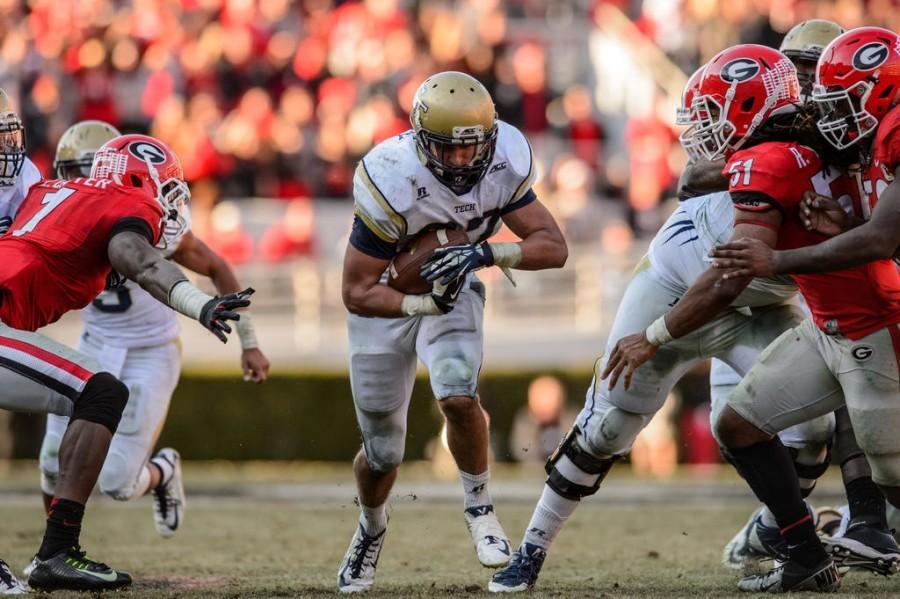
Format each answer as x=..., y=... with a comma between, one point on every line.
x=791, y=383
x=49, y=456
x=40, y=375
x=604, y=431
x=869, y=373
x=382, y=373
x=451, y=348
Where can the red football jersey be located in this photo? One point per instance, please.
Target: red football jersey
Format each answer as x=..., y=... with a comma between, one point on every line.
x=886, y=149
x=854, y=302
x=54, y=257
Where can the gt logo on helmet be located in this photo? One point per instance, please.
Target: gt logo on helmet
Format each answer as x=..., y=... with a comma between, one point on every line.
x=740, y=69
x=870, y=56
x=147, y=151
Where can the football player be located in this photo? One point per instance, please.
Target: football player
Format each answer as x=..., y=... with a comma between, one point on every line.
x=458, y=167
x=845, y=354
x=68, y=240
x=612, y=418
x=135, y=338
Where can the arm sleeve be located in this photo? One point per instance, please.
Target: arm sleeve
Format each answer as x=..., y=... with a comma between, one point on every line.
x=753, y=201
x=527, y=198
x=134, y=224
x=367, y=242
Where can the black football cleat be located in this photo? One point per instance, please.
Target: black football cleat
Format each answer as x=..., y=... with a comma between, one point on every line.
x=824, y=577
x=72, y=570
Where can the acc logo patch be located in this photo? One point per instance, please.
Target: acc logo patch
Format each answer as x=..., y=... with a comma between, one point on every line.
x=740, y=69
x=862, y=352
x=147, y=151
x=870, y=56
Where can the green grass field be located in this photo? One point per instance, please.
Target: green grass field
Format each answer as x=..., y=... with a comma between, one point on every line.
x=247, y=548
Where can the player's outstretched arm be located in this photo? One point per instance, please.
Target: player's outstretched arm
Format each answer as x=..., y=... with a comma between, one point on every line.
x=877, y=239
x=703, y=301
x=702, y=177
x=193, y=254
x=132, y=255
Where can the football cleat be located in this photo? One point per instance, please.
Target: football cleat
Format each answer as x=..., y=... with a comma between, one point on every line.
x=865, y=546
x=357, y=571
x=72, y=570
x=753, y=543
x=824, y=577
x=9, y=584
x=491, y=543
x=522, y=571
x=169, y=501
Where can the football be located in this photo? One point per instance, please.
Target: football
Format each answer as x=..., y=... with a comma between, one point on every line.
x=403, y=273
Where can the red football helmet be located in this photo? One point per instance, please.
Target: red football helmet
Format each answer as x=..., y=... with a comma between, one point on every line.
x=137, y=160
x=857, y=83
x=683, y=114
x=740, y=89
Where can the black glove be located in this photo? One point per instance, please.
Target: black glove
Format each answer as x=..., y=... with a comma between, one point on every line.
x=445, y=296
x=221, y=308
x=455, y=261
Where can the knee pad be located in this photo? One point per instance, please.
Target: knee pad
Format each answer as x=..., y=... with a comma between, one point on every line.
x=453, y=376
x=383, y=454
x=885, y=469
x=102, y=401
x=613, y=432
x=571, y=461
x=116, y=479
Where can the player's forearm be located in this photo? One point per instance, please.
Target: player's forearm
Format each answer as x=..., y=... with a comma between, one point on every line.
x=373, y=300
x=132, y=255
x=540, y=250
x=857, y=246
x=703, y=302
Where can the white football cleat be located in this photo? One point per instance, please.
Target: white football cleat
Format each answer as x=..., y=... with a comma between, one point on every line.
x=491, y=543
x=9, y=584
x=169, y=501
x=357, y=571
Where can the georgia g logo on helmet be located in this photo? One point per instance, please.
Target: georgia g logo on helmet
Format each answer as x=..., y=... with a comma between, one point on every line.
x=870, y=56
x=740, y=69
x=147, y=151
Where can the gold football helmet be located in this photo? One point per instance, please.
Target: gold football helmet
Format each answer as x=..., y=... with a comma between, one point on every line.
x=455, y=124
x=12, y=142
x=804, y=43
x=77, y=146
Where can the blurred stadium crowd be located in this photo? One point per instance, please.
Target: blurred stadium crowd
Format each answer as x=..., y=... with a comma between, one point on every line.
x=280, y=98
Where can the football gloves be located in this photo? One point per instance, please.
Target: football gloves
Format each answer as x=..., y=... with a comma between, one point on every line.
x=445, y=296
x=456, y=261
x=221, y=308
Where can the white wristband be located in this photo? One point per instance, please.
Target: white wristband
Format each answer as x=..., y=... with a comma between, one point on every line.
x=506, y=254
x=187, y=299
x=246, y=333
x=419, y=305
x=657, y=333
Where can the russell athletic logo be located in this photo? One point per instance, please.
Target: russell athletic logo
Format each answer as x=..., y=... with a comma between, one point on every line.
x=740, y=69
x=147, y=151
x=870, y=56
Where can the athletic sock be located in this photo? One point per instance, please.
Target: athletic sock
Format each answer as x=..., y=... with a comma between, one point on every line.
x=63, y=527
x=768, y=469
x=475, y=488
x=166, y=469
x=142, y=486
x=550, y=514
x=373, y=519
x=866, y=502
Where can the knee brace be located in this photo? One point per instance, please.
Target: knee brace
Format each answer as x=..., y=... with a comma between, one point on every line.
x=570, y=461
x=102, y=401
x=453, y=376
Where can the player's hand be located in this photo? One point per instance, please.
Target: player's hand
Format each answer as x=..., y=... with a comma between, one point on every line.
x=628, y=354
x=445, y=296
x=255, y=365
x=823, y=215
x=745, y=257
x=455, y=261
x=222, y=308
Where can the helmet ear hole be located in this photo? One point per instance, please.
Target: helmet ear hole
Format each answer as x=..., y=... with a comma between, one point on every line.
x=747, y=105
x=136, y=181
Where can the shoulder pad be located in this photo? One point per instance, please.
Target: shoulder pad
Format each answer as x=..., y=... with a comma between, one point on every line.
x=778, y=170
x=513, y=155
x=887, y=140
x=382, y=188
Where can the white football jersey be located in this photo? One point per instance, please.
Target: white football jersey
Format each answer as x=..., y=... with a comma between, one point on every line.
x=678, y=252
x=128, y=316
x=11, y=197
x=397, y=197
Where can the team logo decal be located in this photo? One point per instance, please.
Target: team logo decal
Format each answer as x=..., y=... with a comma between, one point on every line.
x=147, y=151
x=870, y=56
x=862, y=352
x=740, y=69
